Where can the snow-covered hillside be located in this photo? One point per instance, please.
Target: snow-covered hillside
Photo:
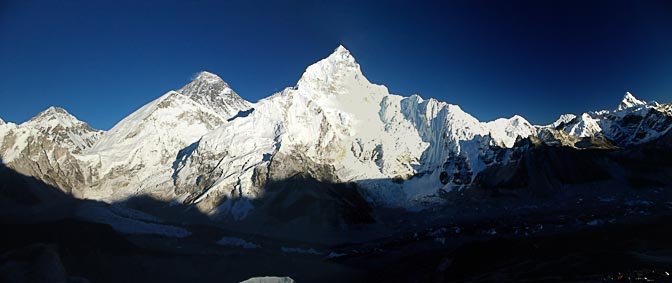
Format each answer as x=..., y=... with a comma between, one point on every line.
x=138, y=154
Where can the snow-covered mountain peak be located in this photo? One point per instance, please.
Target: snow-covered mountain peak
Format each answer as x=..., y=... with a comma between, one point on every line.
x=517, y=120
x=563, y=120
x=507, y=131
x=54, y=131
x=209, y=77
x=211, y=91
x=331, y=74
x=341, y=48
x=206, y=83
x=628, y=101
x=341, y=53
x=53, y=110
x=2, y=122
x=52, y=117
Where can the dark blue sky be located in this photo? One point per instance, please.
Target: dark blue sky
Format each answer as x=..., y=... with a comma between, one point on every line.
x=101, y=60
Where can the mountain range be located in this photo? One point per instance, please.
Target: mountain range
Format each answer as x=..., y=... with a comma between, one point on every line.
x=204, y=147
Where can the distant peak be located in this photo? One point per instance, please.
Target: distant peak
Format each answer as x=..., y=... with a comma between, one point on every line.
x=517, y=117
x=628, y=96
x=517, y=120
x=211, y=91
x=563, y=119
x=628, y=101
x=54, y=115
x=205, y=82
x=53, y=110
x=205, y=76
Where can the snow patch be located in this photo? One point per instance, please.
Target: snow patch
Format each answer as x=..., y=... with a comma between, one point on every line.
x=237, y=242
x=120, y=222
x=335, y=255
x=269, y=279
x=300, y=251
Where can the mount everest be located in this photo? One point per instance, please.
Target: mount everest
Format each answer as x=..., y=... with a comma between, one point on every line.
x=204, y=146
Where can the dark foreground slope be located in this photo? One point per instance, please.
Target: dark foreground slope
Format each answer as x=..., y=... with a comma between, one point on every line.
x=590, y=255
x=99, y=254
x=558, y=214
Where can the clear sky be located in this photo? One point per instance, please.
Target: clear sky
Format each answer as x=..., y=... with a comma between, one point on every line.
x=101, y=60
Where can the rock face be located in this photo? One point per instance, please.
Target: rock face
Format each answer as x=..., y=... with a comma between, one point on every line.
x=350, y=142
x=211, y=91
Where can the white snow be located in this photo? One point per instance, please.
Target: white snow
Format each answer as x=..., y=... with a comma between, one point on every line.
x=508, y=130
x=586, y=126
x=629, y=101
x=147, y=143
x=124, y=223
x=563, y=119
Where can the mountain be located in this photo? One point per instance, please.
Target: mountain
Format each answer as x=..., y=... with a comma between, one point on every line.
x=335, y=119
x=633, y=122
x=48, y=146
x=332, y=146
x=136, y=156
x=402, y=151
x=211, y=91
x=629, y=101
